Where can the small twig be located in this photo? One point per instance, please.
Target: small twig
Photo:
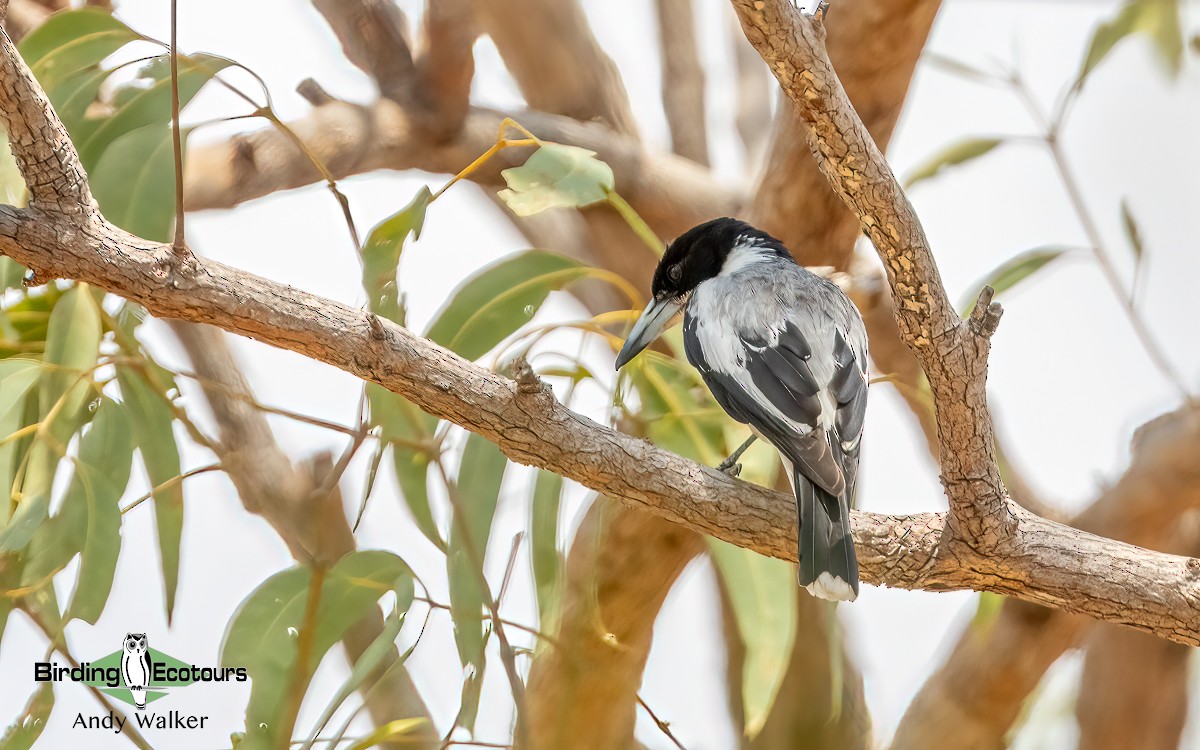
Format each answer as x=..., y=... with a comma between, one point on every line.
x=663, y=726
x=169, y=484
x=180, y=244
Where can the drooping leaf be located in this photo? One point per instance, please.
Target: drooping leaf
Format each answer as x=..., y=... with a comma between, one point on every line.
x=29, y=726
x=134, y=182
x=762, y=591
x=476, y=493
x=152, y=419
x=499, y=299
x=147, y=101
x=1012, y=272
x=90, y=511
x=557, y=176
x=17, y=377
x=71, y=41
x=546, y=560
x=1158, y=19
x=72, y=348
x=678, y=411
x=371, y=658
x=953, y=155
x=265, y=633
x=381, y=255
x=407, y=428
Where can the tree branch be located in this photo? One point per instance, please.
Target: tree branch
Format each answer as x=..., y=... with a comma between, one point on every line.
x=974, y=698
x=682, y=79
x=671, y=193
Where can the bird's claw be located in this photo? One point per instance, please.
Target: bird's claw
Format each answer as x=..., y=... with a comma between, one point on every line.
x=730, y=468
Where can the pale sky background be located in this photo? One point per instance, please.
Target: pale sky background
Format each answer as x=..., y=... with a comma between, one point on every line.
x=1070, y=383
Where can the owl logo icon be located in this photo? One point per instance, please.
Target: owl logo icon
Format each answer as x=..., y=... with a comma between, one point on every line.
x=135, y=667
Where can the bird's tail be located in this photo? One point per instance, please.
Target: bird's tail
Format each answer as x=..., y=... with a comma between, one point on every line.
x=828, y=566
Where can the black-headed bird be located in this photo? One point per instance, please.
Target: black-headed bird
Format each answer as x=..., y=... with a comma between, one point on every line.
x=785, y=352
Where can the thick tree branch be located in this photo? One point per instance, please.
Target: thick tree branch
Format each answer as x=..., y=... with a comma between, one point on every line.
x=670, y=192
x=973, y=700
x=682, y=79
x=1046, y=563
x=374, y=36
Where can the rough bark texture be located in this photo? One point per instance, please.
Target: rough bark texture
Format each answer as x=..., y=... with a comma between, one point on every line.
x=622, y=566
x=973, y=700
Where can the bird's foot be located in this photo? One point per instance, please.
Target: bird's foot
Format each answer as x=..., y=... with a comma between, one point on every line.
x=732, y=468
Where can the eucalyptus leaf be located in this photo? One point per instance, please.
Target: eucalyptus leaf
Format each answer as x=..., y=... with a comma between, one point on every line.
x=147, y=101
x=1158, y=19
x=90, y=510
x=499, y=299
x=73, y=40
x=265, y=633
x=763, y=592
x=406, y=427
x=476, y=493
x=152, y=421
x=381, y=255
x=545, y=557
x=134, y=182
x=556, y=176
x=678, y=411
x=1012, y=272
x=952, y=155
x=32, y=722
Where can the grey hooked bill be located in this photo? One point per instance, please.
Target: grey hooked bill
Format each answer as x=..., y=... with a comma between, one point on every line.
x=653, y=321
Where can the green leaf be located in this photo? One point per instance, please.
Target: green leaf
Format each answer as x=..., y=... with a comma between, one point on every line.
x=1012, y=272
x=678, y=411
x=371, y=658
x=152, y=422
x=987, y=610
x=1132, y=233
x=71, y=41
x=387, y=732
x=762, y=591
x=32, y=722
x=405, y=426
x=12, y=274
x=476, y=493
x=72, y=348
x=90, y=512
x=546, y=560
x=1158, y=19
x=17, y=376
x=557, y=176
x=499, y=299
x=952, y=155
x=265, y=632
x=134, y=182
x=381, y=255
x=147, y=101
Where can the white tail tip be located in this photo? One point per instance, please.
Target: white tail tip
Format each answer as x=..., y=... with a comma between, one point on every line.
x=830, y=587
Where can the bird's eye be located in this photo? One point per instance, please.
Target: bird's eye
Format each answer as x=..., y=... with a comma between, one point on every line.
x=675, y=272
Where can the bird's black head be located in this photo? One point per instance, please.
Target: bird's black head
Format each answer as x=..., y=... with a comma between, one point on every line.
x=697, y=255
x=700, y=253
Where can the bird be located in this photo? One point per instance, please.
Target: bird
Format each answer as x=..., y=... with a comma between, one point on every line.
x=135, y=667
x=783, y=351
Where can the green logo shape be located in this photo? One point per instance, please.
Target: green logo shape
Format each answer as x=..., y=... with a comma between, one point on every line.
x=155, y=690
